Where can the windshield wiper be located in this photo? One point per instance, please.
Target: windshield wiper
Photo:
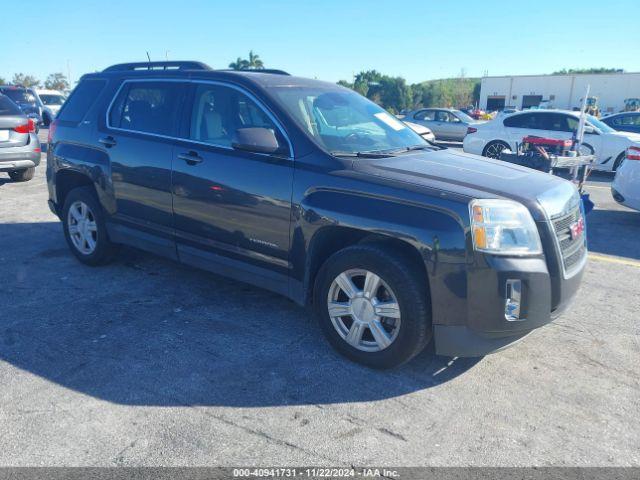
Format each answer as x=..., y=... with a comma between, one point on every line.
x=379, y=154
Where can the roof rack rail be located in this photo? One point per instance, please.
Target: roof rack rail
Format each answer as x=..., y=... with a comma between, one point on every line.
x=177, y=65
x=273, y=71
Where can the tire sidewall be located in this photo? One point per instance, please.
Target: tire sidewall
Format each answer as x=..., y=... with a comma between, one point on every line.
x=22, y=175
x=415, y=327
x=103, y=245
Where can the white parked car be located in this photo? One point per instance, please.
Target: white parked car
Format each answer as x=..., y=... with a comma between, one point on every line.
x=52, y=99
x=421, y=130
x=626, y=184
x=607, y=144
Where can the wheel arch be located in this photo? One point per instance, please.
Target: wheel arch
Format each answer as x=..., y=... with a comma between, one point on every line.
x=331, y=239
x=68, y=179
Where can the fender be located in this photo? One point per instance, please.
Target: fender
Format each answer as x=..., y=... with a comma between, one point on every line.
x=434, y=228
x=85, y=161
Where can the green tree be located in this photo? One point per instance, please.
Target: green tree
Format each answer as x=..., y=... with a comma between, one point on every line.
x=25, y=80
x=239, y=64
x=344, y=83
x=254, y=63
x=569, y=71
x=2, y=81
x=56, y=81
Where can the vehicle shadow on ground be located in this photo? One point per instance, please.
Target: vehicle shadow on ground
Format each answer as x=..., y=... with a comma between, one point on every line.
x=147, y=331
x=614, y=232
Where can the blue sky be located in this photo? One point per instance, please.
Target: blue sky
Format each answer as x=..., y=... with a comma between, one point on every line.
x=329, y=39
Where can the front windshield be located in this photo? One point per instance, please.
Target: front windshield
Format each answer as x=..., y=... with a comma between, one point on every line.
x=603, y=127
x=343, y=121
x=48, y=99
x=463, y=116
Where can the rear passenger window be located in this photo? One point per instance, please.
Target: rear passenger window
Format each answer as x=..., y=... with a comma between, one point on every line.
x=149, y=107
x=81, y=100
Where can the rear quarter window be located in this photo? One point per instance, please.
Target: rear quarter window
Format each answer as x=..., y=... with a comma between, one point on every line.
x=81, y=100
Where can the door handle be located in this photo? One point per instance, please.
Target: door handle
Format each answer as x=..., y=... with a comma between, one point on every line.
x=108, y=141
x=192, y=158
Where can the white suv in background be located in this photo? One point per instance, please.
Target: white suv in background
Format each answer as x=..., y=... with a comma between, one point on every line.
x=608, y=145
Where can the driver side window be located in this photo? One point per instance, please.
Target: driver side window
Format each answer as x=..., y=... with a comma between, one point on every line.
x=219, y=111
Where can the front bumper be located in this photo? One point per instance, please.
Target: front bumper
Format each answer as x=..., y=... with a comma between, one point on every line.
x=545, y=295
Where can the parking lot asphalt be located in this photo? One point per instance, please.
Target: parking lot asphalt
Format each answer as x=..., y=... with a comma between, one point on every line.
x=147, y=362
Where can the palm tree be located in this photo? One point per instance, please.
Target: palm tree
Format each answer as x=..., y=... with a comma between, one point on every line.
x=239, y=64
x=254, y=61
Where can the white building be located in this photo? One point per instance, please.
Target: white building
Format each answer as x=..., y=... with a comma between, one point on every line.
x=559, y=91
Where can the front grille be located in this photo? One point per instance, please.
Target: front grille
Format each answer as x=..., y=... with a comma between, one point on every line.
x=572, y=250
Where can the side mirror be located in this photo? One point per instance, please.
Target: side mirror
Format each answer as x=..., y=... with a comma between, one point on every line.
x=257, y=140
x=590, y=129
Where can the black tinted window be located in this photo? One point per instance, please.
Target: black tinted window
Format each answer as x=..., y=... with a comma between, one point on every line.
x=534, y=121
x=560, y=123
x=150, y=107
x=219, y=111
x=81, y=99
x=7, y=107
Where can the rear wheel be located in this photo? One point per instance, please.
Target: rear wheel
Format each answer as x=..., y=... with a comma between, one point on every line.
x=494, y=149
x=373, y=306
x=84, y=227
x=23, y=175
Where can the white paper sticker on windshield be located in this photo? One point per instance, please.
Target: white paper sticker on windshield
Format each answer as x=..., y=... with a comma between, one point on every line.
x=389, y=120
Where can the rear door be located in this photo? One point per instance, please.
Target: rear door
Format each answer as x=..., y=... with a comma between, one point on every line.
x=426, y=117
x=521, y=125
x=232, y=208
x=138, y=138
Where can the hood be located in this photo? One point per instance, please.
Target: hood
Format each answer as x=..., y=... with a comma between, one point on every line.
x=468, y=175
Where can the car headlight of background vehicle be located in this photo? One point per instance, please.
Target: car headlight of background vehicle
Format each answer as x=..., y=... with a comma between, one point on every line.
x=503, y=227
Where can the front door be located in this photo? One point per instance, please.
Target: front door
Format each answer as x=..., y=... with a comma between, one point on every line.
x=232, y=208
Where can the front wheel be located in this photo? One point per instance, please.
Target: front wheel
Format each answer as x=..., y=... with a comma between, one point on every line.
x=22, y=175
x=372, y=305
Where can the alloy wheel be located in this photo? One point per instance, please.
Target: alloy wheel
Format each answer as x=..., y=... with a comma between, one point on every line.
x=364, y=310
x=82, y=227
x=494, y=150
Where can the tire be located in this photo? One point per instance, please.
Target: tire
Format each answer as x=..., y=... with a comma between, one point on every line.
x=22, y=175
x=618, y=162
x=403, y=337
x=494, y=148
x=98, y=250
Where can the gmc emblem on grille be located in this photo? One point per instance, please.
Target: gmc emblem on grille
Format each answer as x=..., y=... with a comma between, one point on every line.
x=577, y=228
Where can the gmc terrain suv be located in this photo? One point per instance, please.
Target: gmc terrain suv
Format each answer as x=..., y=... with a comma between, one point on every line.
x=310, y=190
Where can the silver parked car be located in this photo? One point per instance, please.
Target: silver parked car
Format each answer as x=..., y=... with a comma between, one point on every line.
x=19, y=145
x=445, y=123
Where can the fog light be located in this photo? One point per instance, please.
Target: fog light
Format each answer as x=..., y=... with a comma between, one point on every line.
x=512, y=302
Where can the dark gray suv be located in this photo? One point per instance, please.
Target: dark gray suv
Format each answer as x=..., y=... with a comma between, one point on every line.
x=312, y=191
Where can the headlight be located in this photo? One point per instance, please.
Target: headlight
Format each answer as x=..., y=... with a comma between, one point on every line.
x=503, y=227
